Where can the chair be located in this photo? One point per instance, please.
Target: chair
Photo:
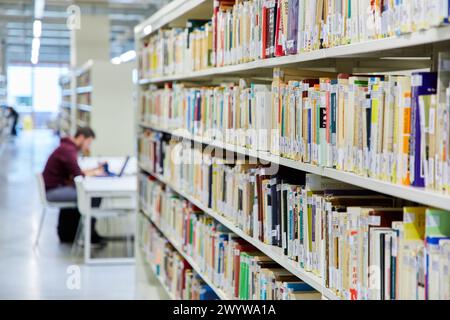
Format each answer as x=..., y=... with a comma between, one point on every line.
x=48, y=205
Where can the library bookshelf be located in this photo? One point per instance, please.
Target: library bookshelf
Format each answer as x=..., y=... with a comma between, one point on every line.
x=92, y=96
x=3, y=102
x=65, y=108
x=367, y=57
x=3, y=90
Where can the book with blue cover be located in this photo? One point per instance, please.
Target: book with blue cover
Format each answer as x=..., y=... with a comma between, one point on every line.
x=423, y=85
x=291, y=44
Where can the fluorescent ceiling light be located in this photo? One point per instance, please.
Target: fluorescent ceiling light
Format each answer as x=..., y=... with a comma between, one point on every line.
x=39, y=6
x=128, y=56
x=116, y=60
x=35, y=57
x=36, y=44
x=37, y=28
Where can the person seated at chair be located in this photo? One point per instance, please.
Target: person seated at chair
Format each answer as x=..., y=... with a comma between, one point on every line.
x=59, y=173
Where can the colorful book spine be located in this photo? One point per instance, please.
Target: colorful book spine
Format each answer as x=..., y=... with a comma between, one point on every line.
x=424, y=85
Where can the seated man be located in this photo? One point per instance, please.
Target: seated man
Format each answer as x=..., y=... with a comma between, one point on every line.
x=59, y=173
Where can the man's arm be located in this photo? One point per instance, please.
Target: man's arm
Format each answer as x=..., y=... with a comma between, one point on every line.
x=98, y=171
x=75, y=170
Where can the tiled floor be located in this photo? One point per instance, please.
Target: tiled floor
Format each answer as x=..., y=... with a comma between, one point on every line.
x=45, y=273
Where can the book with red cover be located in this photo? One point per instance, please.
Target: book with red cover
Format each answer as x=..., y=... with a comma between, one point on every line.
x=278, y=48
x=264, y=31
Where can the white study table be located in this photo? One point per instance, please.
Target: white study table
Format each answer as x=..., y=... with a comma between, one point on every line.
x=109, y=189
x=114, y=163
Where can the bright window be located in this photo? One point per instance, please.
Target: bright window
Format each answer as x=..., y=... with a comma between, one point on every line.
x=35, y=88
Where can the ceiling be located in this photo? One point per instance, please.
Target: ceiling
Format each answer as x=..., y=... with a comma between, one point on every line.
x=16, y=26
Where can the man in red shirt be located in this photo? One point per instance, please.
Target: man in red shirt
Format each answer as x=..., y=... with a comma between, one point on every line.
x=59, y=173
x=62, y=166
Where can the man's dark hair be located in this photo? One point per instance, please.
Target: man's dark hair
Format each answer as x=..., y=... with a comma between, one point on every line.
x=86, y=132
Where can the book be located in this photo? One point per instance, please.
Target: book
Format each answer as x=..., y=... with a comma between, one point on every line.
x=292, y=26
x=424, y=86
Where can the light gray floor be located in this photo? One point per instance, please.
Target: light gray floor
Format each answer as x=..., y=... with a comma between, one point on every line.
x=46, y=273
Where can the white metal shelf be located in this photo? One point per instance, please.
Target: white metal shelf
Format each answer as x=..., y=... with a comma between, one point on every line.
x=85, y=89
x=419, y=195
x=355, y=50
x=66, y=105
x=84, y=107
x=172, y=11
x=188, y=258
x=84, y=68
x=81, y=123
x=415, y=194
x=271, y=251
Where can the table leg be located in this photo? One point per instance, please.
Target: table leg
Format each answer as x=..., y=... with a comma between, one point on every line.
x=87, y=233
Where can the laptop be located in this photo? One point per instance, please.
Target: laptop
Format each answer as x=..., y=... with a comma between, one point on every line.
x=112, y=174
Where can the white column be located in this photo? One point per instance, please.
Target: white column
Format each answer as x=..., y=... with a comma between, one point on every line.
x=91, y=40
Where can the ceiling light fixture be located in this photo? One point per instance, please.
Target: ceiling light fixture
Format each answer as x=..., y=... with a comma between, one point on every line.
x=116, y=60
x=128, y=56
x=39, y=6
x=37, y=28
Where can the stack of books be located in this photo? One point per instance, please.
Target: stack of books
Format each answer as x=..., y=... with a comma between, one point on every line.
x=361, y=244
x=393, y=128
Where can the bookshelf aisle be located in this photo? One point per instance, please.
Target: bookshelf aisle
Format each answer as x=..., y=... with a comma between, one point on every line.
x=83, y=95
x=354, y=119
x=3, y=90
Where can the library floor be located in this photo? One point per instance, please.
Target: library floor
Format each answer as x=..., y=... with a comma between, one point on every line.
x=42, y=273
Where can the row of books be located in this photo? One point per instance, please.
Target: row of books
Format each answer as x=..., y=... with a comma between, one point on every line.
x=174, y=271
x=84, y=98
x=393, y=128
x=247, y=30
x=233, y=265
x=259, y=29
x=177, y=50
x=83, y=79
x=361, y=244
x=84, y=117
